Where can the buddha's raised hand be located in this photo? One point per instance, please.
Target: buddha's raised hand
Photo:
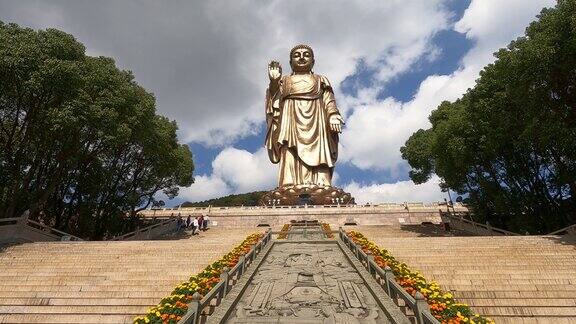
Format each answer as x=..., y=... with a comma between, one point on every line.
x=274, y=71
x=336, y=123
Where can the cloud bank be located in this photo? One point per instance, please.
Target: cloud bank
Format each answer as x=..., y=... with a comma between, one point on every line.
x=401, y=191
x=234, y=171
x=206, y=60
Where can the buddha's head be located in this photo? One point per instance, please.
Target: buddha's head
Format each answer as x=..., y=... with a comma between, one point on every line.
x=302, y=58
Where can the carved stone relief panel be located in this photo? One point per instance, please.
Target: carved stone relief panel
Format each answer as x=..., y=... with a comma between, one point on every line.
x=307, y=283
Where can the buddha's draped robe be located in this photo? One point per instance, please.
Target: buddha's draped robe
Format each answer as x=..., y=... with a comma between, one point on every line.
x=299, y=135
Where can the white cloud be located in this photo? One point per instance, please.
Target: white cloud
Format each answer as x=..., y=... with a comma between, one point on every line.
x=401, y=191
x=245, y=171
x=377, y=129
x=206, y=60
x=234, y=171
x=205, y=187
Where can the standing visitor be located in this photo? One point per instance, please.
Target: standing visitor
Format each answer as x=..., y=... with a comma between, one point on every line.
x=188, y=221
x=206, y=221
x=194, y=225
x=180, y=222
x=201, y=223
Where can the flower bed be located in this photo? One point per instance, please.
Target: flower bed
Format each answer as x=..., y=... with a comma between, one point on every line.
x=171, y=309
x=284, y=232
x=327, y=230
x=442, y=305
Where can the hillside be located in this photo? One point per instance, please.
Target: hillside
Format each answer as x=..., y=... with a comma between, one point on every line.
x=246, y=199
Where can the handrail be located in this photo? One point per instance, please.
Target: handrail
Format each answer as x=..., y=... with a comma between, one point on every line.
x=567, y=229
x=197, y=312
x=385, y=278
x=143, y=230
x=474, y=224
x=11, y=220
x=22, y=227
x=53, y=231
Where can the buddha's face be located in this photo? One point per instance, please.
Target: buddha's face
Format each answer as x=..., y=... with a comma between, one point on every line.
x=302, y=60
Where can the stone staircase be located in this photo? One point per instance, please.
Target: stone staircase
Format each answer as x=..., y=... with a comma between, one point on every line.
x=522, y=279
x=101, y=282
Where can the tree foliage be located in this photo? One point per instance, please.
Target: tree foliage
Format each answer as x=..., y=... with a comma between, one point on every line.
x=509, y=143
x=80, y=143
x=246, y=199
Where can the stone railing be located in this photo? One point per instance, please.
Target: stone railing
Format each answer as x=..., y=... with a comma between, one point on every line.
x=252, y=216
x=162, y=212
x=201, y=307
x=150, y=232
x=24, y=229
x=385, y=278
x=458, y=222
x=566, y=230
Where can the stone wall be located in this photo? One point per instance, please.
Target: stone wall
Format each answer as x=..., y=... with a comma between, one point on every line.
x=382, y=214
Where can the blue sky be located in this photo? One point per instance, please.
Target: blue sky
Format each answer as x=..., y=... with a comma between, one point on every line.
x=390, y=63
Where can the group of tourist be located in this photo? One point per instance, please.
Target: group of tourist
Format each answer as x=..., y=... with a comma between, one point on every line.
x=195, y=224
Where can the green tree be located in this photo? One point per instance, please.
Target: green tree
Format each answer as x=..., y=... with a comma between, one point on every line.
x=81, y=146
x=245, y=199
x=508, y=143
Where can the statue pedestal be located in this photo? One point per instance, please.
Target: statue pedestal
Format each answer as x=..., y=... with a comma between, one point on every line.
x=306, y=195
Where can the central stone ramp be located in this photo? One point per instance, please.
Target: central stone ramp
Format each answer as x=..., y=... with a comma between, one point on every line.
x=307, y=283
x=309, y=277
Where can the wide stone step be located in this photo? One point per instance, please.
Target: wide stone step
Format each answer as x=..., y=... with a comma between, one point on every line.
x=69, y=281
x=484, y=266
x=158, y=294
x=504, y=276
x=132, y=301
x=519, y=272
x=512, y=302
x=150, y=286
x=532, y=320
x=115, y=275
x=525, y=311
x=510, y=282
x=102, y=310
x=65, y=318
x=102, y=263
x=71, y=276
x=527, y=287
x=463, y=294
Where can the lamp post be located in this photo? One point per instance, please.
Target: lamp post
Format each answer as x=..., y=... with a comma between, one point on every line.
x=451, y=202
